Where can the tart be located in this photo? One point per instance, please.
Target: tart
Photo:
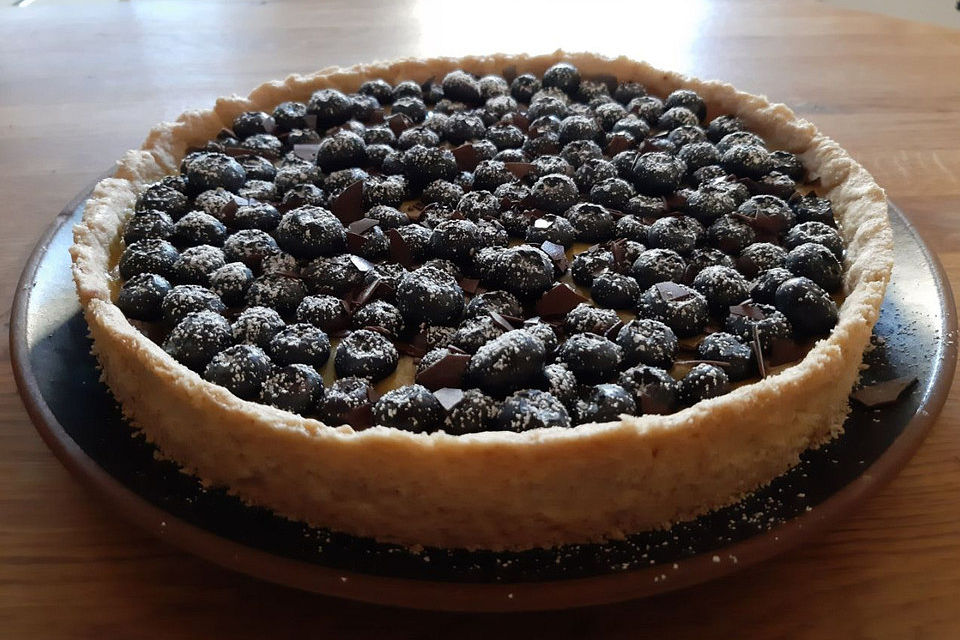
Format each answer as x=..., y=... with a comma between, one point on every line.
x=497, y=302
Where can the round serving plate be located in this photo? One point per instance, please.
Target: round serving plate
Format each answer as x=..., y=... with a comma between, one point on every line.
x=75, y=414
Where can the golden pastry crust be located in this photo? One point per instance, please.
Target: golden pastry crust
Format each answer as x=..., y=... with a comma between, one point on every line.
x=494, y=490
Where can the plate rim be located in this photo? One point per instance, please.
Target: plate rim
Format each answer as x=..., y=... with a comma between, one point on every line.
x=469, y=596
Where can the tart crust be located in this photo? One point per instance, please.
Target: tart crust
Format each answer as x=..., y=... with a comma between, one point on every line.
x=494, y=490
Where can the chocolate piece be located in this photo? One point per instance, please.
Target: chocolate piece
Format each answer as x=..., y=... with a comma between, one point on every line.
x=348, y=206
x=883, y=393
x=758, y=351
x=466, y=156
x=359, y=418
x=362, y=225
x=556, y=253
x=559, y=300
x=229, y=210
x=446, y=372
x=361, y=264
x=449, y=397
x=611, y=333
x=306, y=152
x=748, y=310
x=519, y=169
x=501, y=321
x=399, y=250
x=619, y=142
x=355, y=242
x=695, y=362
x=398, y=123
x=675, y=202
x=519, y=120
x=783, y=350
x=670, y=291
x=469, y=285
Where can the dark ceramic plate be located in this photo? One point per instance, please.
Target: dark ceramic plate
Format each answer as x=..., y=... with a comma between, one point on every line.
x=77, y=417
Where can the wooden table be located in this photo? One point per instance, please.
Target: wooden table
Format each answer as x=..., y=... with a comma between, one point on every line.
x=79, y=84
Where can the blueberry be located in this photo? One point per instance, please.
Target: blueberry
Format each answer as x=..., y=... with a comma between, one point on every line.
x=729, y=349
x=231, y=282
x=341, y=397
x=772, y=212
x=633, y=125
x=417, y=239
x=184, y=299
x=579, y=152
x=653, y=389
x=657, y=173
x=658, y=265
x=722, y=126
x=760, y=256
x=772, y=326
x=747, y=160
x=158, y=197
x=578, y=128
x=335, y=275
x=777, y=184
x=366, y=354
x=532, y=409
x=591, y=358
x=811, y=208
x=707, y=174
x=523, y=270
x=646, y=206
x=323, y=311
x=674, y=117
x=263, y=144
x=335, y=183
x=475, y=412
x=818, y=233
x=631, y=227
x=212, y=170
x=585, y=318
x=816, y=262
x=593, y=222
x=379, y=89
x=280, y=263
x=649, y=108
x=810, y=309
x=249, y=246
x=524, y=86
x=556, y=229
x=609, y=114
x=687, y=136
x=342, y=150
x=615, y=291
x=684, y=310
x=735, y=138
x=561, y=383
x=628, y=90
x=258, y=215
x=257, y=326
x=411, y=408
x=241, y=369
x=593, y=171
x=309, y=231
x=708, y=204
x=605, y=403
x=688, y=99
x=701, y=258
x=612, y=192
x=422, y=165
x=588, y=264
x=296, y=388
x=276, y=291
x=492, y=86
x=554, y=193
x=148, y=256
x=417, y=135
x=463, y=126
x=490, y=174
x=764, y=286
x=647, y=341
x=473, y=333
x=677, y=233
x=730, y=235
x=461, y=86
x=331, y=107
x=512, y=155
x=299, y=195
x=141, y=296
x=300, y=343
x=377, y=313
x=197, y=338
x=261, y=190
x=788, y=164
x=723, y=287
x=407, y=89
x=490, y=233
x=154, y=225
x=430, y=295
x=412, y=107
x=197, y=263
x=506, y=363
x=500, y=301
x=702, y=382
x=478, y=204
x=563, y=76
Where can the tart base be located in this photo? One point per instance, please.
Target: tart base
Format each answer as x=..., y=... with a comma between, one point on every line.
x=493, y=490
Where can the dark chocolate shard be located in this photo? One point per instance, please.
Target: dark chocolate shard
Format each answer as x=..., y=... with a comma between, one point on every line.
x=619, y=142
x=448, y=371
x=695, y=362
x=670, y=291
x=611, y=333
x=449, y=397
x=748, y=310
x=883, y=393
x=398, y=123
x=399, y=250
x=519, y=169
x=500, y=321
x=362, y=264
x=758, y=350
x=359, y=418
x=306, y=152
x=348, y=205
x=362, y=225
x=469, y=285
x=559, y=300
x=784, y=350
x=355, y=242
x=466, y=156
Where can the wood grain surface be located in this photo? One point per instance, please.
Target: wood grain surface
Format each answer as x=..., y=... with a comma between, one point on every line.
x=80, y=83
